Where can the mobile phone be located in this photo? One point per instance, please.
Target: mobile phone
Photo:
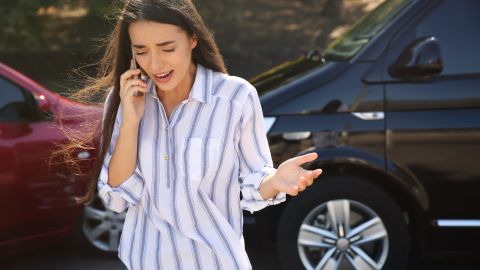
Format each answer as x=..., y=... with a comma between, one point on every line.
x=135, y=66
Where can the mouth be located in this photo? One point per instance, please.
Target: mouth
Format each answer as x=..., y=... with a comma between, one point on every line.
x=162, y=77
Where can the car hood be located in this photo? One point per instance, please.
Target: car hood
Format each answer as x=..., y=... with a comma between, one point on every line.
x=283, y=82
x=281, y=74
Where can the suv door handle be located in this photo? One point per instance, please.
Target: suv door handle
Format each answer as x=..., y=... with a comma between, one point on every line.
x=369, y=115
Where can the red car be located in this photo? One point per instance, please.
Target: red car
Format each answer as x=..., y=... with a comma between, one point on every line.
x=37, y=205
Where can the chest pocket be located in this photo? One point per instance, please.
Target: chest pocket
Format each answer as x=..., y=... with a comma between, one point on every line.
x=202, y=157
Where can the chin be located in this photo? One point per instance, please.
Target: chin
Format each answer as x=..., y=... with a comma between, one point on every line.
x=165, y=87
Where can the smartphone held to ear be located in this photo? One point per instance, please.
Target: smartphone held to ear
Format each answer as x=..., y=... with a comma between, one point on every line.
x=135, y=66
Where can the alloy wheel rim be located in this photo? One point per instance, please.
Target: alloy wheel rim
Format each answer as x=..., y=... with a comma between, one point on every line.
x=343, y=235
x=102, y=227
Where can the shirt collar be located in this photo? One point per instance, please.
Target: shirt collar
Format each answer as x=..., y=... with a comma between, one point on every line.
x=201, y=88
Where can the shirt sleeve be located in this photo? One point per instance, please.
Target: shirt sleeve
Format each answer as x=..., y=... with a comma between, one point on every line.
x=129, y=192
x=255, y=157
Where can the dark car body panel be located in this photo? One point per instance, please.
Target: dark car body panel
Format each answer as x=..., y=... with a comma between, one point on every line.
x=424, y=144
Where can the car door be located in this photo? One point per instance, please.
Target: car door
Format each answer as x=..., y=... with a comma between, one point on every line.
x=433, y=122
x=35, y=198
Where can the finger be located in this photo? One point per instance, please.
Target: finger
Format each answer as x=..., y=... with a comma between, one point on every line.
x=317, y=172
x=305, y=158
x=136, y=84
x=136, y=91
x=132, y=66
x=128, y=75
x=302, y=184
x=309, y=177
x=294, y=191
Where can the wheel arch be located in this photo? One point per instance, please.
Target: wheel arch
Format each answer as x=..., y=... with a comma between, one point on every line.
x=393, y=178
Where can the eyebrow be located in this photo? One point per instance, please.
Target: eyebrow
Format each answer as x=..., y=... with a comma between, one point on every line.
x=139, y=46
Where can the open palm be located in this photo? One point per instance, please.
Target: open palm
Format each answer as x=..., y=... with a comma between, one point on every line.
x=291, y=178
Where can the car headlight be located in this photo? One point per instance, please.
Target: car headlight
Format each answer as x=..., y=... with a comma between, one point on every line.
x=269, y=121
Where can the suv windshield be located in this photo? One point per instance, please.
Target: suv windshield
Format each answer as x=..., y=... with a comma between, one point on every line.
x=347, y=45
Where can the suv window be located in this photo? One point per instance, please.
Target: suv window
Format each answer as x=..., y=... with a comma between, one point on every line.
x=347, y=45
x=13, y=104
x=455, y=24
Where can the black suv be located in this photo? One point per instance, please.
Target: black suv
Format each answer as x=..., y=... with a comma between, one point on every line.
x=392, y=108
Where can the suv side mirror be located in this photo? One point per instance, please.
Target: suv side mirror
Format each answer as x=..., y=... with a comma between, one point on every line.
x=421, y=59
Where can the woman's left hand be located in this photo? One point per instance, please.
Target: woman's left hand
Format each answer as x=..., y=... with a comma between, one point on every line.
x=291, y=178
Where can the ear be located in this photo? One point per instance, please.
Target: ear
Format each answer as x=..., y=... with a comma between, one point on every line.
x=193, y=41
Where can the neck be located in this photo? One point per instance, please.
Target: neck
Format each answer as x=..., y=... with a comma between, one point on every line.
x=182, y=91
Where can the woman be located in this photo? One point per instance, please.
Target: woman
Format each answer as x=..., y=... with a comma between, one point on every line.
x=178, y=155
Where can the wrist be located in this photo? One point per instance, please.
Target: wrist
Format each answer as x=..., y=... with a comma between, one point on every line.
x=267, y=187
x=272, y=179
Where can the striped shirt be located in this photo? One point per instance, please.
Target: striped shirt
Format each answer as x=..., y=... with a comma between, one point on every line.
x=194, y=175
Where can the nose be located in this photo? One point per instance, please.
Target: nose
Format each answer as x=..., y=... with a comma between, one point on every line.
x=156, y=62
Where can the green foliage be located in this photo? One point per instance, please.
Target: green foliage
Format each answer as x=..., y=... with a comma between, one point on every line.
x=21, y=25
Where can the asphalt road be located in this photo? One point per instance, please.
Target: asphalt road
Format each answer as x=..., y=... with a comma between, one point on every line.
x=63, y=258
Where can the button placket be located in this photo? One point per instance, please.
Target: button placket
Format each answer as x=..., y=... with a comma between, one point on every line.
x=168, y=127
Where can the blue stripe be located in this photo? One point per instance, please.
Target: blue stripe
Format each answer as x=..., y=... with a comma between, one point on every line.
x=254, y=123
x=245, y=161
x=158, y=250
x=138, y=176
x=109, y=199
x=205, y=71
x=217, y=263
x=218, y=86
x=172, y=162
x=209, y=130
x=218, y=229
x=196, y=254
x=139, y=146
x=154, y=174
x=175, y=247
x=156, y=179
x=144, y=232
x=198, y=111
x=104, y=165
x=226, y=136
x=132, y=239
x=187, y=184
x=228, y=192
x=129, y=194
x=155, y=152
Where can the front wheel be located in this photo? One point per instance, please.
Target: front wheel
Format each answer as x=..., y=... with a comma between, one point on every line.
x=344, y=223
x=98, y=231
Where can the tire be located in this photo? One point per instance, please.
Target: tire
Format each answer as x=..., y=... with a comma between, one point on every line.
x=98, y=230
x=307, y=235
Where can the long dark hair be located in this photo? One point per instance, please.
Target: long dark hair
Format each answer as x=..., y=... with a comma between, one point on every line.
x=116, y=61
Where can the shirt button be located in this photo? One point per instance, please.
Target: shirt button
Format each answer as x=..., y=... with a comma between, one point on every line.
x=165, y=157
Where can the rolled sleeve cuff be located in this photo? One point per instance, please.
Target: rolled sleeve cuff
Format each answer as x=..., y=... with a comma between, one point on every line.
x=128, y=192
x=252, y=199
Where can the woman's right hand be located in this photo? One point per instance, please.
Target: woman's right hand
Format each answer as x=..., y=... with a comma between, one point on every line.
x=133, y=107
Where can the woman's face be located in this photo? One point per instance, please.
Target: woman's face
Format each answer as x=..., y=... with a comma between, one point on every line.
x=163, y=51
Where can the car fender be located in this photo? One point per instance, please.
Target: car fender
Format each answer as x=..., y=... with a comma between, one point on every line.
x=353, y=157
